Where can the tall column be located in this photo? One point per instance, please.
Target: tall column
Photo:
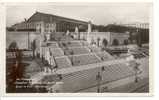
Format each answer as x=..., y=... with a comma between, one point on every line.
x=76, y=32
x=41, y=37
x=89, y=31
x=54, y=26
x=67, y=32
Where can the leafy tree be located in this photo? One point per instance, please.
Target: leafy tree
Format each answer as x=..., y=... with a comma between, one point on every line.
x=13, y=45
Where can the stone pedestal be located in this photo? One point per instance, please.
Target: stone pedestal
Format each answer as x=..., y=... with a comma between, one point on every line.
x=89, y=31
x=68, y=32
x=76, y=32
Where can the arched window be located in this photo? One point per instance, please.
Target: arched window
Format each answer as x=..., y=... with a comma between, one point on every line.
x=13, y=45
x=115, y=42
x=125, y=42
x=104, y=42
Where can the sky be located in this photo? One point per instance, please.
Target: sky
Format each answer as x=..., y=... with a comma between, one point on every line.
x=98, y=13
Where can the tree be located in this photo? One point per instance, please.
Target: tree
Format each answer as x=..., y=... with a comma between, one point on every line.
x=98, y=39
x=20, y=64
x=105, y=43
x=115, y=42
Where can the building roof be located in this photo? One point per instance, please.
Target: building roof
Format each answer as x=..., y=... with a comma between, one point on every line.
x=38, y=16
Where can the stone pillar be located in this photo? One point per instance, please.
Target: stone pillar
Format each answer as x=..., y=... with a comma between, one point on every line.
x=41, y=37
x=68, y=32
x=48, y=36
x=40, y=46
x=54, y=26
x=89, y=31
x=76, y=32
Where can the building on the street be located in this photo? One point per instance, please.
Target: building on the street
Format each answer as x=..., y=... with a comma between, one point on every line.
x=50, y=23
x=109, y=36
x=137, y=25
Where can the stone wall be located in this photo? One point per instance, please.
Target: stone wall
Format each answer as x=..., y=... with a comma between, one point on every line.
x=23, y=39
x=109, y=36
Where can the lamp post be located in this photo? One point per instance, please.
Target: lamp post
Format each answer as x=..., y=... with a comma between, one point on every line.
x=72, y=53
x=98, y=78
x=89, y=31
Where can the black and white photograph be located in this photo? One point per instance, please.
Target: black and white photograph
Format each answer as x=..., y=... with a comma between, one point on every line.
x=78, y=48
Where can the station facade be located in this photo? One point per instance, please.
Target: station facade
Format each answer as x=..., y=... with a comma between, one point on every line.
x=49, y=23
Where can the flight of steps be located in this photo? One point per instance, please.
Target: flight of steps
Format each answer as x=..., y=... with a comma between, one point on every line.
x=74, y=82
